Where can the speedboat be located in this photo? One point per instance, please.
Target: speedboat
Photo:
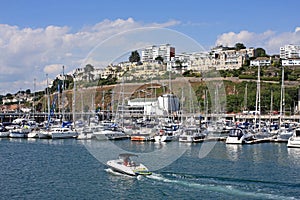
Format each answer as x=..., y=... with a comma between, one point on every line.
x=192, y=134
x=112, y=132
x=238, y=136
x=85, y=133
x=127, y=166
x=284, y=135
x=19, y=132
x=63, y=133
x=294, y=140
x=34, y=133
x=3, y=132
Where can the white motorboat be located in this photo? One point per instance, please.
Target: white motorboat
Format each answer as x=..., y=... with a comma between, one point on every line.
x=284, y=135
x=3, y=132
x=191, y=134
x=85, y=133
x=163, y=138
x=110, y=133
x=294, y=140
x=166, y=135
x=127, y=166
x=238, y=136
x=34, y=133
x=44, y=134
x=62, y=133
x=19, y=132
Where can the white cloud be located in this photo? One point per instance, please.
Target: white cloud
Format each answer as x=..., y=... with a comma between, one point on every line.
x=53, y=69
x=269, y=40
x=28, y=53
x=250, y=39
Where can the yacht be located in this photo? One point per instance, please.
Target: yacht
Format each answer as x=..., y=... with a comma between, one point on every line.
x=284, y=135
x=62, y=133
x=110, y=133
x=294, y=140
x=44, y=133
x=34, y=133
x=3, y=132
x=19, y=132
x=85, y=133
x=238, y=136
x=127, y=166
x=163, y=137
x=192, y=134
x=166, y=135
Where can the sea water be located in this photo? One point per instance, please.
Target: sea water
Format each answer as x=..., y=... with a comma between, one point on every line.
x=66, y=169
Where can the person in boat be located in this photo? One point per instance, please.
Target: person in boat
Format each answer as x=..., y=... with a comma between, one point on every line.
x=126, y=162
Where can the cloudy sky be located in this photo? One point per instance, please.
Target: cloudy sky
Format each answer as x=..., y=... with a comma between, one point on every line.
x=39, y=37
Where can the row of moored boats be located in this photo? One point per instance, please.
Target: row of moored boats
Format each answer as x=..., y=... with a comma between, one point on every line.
x=146, y=130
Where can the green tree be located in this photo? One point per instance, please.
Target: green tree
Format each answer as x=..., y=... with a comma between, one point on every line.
x=159, y=58
x=28, y=91
x=239, y=46
x=178, y=63
x=87, y=70
x=260, y=52
x=135, y=56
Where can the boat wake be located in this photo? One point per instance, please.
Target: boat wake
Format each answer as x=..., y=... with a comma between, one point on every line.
x=213, y=185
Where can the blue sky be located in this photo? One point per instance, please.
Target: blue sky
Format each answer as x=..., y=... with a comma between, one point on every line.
x=37, y=37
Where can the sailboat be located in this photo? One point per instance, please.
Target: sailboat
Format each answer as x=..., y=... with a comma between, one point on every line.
x=285, y=132
x=44, y=133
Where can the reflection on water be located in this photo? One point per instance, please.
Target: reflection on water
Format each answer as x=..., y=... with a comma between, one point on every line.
x=294, y=156
x=233, y=151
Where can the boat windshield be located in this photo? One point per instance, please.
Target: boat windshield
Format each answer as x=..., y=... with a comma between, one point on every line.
x=298, y=133
x=236, y=133
x=126, y=159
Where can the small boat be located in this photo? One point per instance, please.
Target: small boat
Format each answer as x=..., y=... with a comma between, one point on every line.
x=3, y=132
x=284, y=135
x=141, y=137
x=127, y=166
x=192, y=134
x=19, y=132
x=294, y=140
x=238, y=136
x=44, y=134
x=63, y=133
x=166, y=135
x=109, y=132
x=34, y=133
x=85, y=133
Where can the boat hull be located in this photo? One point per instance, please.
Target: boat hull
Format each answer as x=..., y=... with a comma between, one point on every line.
x=128, y=168
x=293, y=143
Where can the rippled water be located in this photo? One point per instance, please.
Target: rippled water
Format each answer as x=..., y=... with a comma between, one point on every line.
x=65, y=169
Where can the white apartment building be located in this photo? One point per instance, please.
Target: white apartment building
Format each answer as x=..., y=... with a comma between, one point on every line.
x=290, y=51
x=165, y=51
x=261, y=61
x=291, y=62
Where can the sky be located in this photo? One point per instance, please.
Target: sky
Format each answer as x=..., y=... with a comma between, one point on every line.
x=39, y=37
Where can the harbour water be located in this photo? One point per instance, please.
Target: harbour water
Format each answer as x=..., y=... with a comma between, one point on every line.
x=66, y=169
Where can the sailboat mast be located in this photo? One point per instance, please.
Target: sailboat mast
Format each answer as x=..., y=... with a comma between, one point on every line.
x=282, y=100
x=257, y=103
x=62, y=95
x=74, y=101
x=48, y=100
x=245, y=97
x=271, y=105
x=33, y=102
